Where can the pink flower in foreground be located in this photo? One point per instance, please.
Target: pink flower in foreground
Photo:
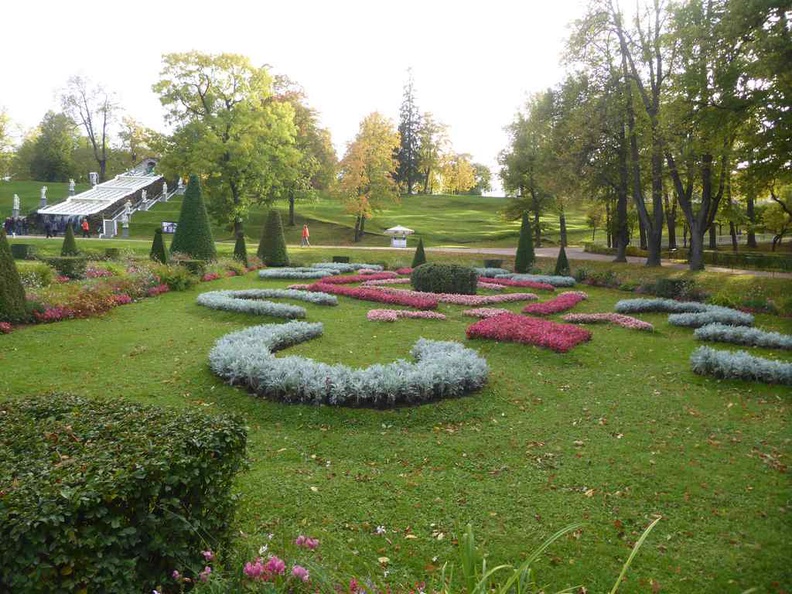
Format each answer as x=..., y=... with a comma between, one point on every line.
x=490, y=286
x=275, y=565
x=418, y=301
x=405, y=270
x=386, y=281
x=301, y=573
x=391, y=315
x=613, y=318
x=208, y=555
x=485, y=312
x=562, y=302
x=255, y=570
x=307, y=542
x=516, y=328
x=5, y=328
x=204, y=575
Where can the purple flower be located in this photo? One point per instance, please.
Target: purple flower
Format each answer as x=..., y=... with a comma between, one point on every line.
x=254, y=570
x=176, y=575
x=275, y=565
x=204, y=575
x=301, y=573
x=208, y=555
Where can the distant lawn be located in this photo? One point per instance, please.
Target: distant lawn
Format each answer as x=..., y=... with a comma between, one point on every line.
x=612, y=434
x=29, y=193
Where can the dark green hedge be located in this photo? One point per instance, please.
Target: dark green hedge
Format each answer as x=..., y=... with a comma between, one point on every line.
x=71, y=266
x=23, y=251
x=444, y=278
x=110, y=496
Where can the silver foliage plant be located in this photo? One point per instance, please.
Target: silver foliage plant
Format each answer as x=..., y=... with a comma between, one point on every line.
x=745, y=336
x=740, y=365
x=556, y=281
x=342, y=267
x=253, y=301
x=492, y=272
x=627, y=306
x=295, y=273
x=442, y=370
x=714, y=314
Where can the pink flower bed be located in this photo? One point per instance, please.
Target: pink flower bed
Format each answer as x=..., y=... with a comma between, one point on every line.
x=485, y=312
x=53, y=314
x=357, y=278
x=405, y=270
x=299, y=287
x=209, y=276
x=507, y=282
x=391, y=315
x=386, y=281
x=516, y=328
x=469, y=300
x=5, y=328
x=157, y=290
x=92, y=272
x=121, y=299
x=563, y=302
x=612, y=318
x=418, y=301
x=491, y=286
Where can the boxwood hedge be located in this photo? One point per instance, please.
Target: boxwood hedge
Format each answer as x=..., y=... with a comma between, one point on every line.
x=110, y=496
x=444, y=278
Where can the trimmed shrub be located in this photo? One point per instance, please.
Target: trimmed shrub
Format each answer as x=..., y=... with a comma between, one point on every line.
x=13, y=305
x=740, y=365
x=240, y=249
x=110, y=496
x=420, y=256
x=562, y=264
x=340, y=259
x=158, y=252
x=442, y=370
x=713, y=315
x=272, y=247
x=743, y=335
x=196, y=267
x=112, y=253
x=444, y=278
x=23, y=251
x=69, y=266
x=525, y=257
x=193, y=235
x=69, y=247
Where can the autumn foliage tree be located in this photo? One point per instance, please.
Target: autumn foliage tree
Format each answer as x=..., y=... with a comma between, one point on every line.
x=366, y=172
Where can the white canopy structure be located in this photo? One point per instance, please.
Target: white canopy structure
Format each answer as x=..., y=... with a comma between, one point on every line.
x=399, y=230
x=101, y=196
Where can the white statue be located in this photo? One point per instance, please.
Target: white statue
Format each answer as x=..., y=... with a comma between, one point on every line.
x=16, y=202
x=43, y=192
x=128, y=207
x=71, y=186
x=180, y=185
x=144, y=195
x=165, y=188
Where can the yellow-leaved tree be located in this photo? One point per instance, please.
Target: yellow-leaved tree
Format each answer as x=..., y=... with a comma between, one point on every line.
x=365, y=181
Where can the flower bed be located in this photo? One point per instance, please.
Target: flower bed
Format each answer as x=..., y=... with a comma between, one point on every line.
x=610, y=318
x=391, y=315
x=743, y=335
x=626, y=306
x=359, y=278
x=556, y=281
x=469, y=300
x=491, y=272
x=378, y=295
x=342, y=267
x=485, y=312
x=713, y=315
x=253, y=301
x=5, y=328
x=405, y=270
x=740, y=365
x=516, y=328
x=441, y=370
x=489, y=286
x=295, y=273
x=563, y=302
x=386, y=281
x=528, y=284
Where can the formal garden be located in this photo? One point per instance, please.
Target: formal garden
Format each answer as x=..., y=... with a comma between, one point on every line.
x=181, y=421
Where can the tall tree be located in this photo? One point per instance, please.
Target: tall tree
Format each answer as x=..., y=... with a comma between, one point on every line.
x=433, y=143
x=93, y=108
x=53, y=150
x=6, y=144
x=483, y=177
x=137, y=141
x=227, y=129
x=407, y=155
x=366, y=172
x=457, y=172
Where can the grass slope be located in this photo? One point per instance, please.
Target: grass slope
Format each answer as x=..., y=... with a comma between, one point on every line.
x=611, y=434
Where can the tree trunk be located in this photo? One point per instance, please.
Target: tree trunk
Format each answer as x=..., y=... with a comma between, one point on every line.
x=291, y=208
x=749, y=210
x=733, y=233
x=713, y=237
x=642, y=233
x=696, y=257
x=356, y=236
x=239, y=227
x=362, y=229
x=608, y=225
x=684, y=234
x=537, y=231
x=670, y=213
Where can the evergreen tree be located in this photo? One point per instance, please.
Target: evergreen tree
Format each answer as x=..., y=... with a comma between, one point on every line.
x=407, y=173
x=272, y=248
x=193, y=235
x=420, y=256
x=158, y=252
x=69, y=244
x=526, y=256
x=12, y=293
x=562, y=264
x=240, y=249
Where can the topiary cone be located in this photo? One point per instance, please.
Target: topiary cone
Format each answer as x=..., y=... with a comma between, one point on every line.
x=69, y=244
x=525, y=257
x=13, y=304
x=420, y=255
x=158, y=252
x=562, y=264
x=240, y=249
x=193, y=234
x=272, y=247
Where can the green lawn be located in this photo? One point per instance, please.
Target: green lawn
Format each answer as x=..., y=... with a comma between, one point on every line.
x=611, y=434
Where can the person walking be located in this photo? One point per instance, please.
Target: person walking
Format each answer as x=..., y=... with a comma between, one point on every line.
x=48, y=228
x=86, y=228
x=305, y=235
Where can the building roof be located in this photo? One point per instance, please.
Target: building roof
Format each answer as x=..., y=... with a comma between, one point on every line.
x=101, y=196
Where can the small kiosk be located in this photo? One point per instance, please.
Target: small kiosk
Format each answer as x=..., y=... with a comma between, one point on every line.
x=399, y=236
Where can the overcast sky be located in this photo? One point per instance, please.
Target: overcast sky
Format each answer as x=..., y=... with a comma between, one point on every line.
x=474, y=63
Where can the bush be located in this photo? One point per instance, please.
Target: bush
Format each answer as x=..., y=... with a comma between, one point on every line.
x=743, y=335
x=177, y=278
x=69, y=247
x=158, y=252
x=196, y=267
x=740, y=365
x=70, y=266
x=489, y=264
x=35, y=275
x=420, y=255
x=109, y=496
x=444, y=278
x=13, y=306
x=272, y=247
x=112, y=253
x=240, y=249
x=23, y=251
x=341, y=259
x=193, y=235
x=525, y=256
x=562, y=264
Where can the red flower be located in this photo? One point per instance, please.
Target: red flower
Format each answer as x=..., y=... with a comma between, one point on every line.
x=516, y=328
x=418, y=302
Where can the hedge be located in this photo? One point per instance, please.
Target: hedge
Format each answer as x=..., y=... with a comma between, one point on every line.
x=714, y=314
x=442, y=370
x=296, y=273
x=740, y=365
x=743, y=335
x=108, y=495
x=444, y=278
x=253, y=301
x=70, y=266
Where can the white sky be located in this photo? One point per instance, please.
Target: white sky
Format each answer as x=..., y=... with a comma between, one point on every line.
x=474, y=63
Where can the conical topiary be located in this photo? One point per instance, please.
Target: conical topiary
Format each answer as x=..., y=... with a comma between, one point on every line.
x=158, y=252
x=562, y=264
x=420, y=256
x=240, y=249
x=193, y=235
x=12, y=293
x=525, y=258
x=272, y=248
x=69, y=244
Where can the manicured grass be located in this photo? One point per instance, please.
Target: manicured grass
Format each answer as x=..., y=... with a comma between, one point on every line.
x=611, y=434
x=29, y=193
